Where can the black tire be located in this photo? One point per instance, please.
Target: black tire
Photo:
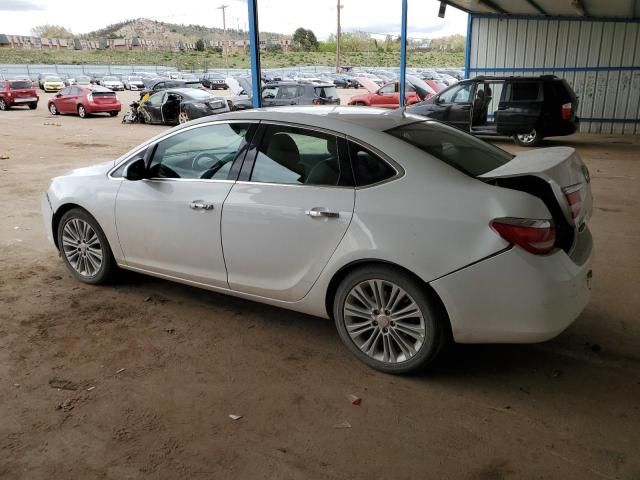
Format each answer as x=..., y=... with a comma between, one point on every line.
x=82, y=112
x=531, y=139
x=3, y=104
x=108, y=266
x=33, y=106
x=360, y=104
x=434, y=322
x=53, y=109
x=113, y=114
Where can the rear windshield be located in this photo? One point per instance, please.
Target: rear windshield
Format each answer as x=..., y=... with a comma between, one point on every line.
x=559, y=91
x=462, y=151
x=20, y=84
x=326, y=92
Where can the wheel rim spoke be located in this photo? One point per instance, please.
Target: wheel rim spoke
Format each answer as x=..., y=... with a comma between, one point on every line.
x=81, y=247
x=384, y=321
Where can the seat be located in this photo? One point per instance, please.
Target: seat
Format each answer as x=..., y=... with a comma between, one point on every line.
x=327, y=171
x=282, y=149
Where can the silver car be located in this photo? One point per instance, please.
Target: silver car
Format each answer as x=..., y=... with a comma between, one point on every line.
x=404, y=231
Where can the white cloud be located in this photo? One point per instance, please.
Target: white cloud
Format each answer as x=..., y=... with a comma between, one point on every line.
x=282, y=16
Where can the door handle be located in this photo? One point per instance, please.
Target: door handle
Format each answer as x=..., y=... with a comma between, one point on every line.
x=201, y=205
x=316, y=212
x=465, y=107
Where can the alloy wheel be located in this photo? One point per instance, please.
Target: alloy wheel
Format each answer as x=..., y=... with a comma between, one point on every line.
x=52, y=109
x=384, y=321
x=3, y=105
x=82, y=112
x=528, y=137
x=82, y=247
x=183, y=117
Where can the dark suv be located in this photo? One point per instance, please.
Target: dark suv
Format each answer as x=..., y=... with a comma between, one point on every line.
x=213, y=81
x=525, y=108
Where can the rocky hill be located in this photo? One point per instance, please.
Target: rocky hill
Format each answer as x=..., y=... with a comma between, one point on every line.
x=155, y=30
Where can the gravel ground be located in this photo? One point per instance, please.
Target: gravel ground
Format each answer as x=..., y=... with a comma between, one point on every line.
x=138, y=380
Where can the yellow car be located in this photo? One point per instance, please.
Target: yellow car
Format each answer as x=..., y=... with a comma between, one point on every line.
x=52, y=84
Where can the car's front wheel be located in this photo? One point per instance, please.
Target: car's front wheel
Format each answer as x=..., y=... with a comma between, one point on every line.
x=52, y=109
x=33, y=106
x=82, y=112
x=3, y=105
x=84, y=247
x=113, y=114
x=531, y=139
x=385, y=318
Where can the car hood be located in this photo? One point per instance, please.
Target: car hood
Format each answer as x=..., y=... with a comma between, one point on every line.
x=369, y=84
x=92, y=170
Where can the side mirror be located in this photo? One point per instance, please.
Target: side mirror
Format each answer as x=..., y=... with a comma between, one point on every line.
x=136, y=170
x=58, y=95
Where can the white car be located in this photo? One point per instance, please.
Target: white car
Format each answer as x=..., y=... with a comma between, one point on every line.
x=112, y=83
x=405, y=231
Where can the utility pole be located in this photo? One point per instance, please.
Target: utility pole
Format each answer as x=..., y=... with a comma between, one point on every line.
x=338, y=40
x=225, y=46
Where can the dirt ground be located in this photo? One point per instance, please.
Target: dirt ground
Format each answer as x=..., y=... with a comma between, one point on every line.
x=137, y=380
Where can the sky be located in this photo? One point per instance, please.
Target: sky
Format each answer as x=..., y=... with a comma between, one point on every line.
x=18, y=17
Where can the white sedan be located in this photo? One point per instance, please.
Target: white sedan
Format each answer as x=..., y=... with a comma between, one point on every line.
x=404, y=231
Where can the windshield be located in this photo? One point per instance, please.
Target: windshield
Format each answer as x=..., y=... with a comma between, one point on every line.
x=460, y=150
x=109, y=79
x=52, y=79
x=135, y=79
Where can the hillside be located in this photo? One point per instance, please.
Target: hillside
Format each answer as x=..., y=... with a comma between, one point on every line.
x=171, y=32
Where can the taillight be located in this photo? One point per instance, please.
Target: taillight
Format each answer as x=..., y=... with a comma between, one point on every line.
x=566, y=111
x=9, y=94
x=573, y=194
x=90, y=97
x=535, y=236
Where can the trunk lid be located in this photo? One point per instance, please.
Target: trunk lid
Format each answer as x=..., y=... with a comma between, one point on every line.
x=562, y=169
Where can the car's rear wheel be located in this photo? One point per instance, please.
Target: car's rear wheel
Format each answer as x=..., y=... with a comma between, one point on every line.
x=82, y=112
x=531, y=139
x=3, y=105
x=385, y=318
x=84, y=247
x=183, y=117
x=113, y=114
x=360, y=104
x=52, y=109
x=33, y=106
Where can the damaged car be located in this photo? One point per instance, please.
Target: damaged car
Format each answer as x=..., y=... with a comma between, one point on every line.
x=179, y=105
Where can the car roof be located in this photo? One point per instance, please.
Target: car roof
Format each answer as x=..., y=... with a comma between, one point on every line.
x=336, y=118
x=513, y=77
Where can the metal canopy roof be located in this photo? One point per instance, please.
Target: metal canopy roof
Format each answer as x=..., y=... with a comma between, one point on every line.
x=619, y=9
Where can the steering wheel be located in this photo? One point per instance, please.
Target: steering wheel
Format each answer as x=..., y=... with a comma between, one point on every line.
x=204, y=161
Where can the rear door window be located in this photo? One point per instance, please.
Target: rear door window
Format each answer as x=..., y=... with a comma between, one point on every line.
x=297, y=156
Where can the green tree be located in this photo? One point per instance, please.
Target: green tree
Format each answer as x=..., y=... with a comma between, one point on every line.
x=305, y=39
x=51, y=31
x=200, y=45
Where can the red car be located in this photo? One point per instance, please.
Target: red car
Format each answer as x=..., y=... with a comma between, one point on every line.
x=388, y=95
x=85, y=101
x=17, y=92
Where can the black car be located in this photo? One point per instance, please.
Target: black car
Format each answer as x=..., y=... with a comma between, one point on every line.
x=286, y=93
x=525, y=108
x=152, y=85
x=179, y=105
x=344, y=81
x=214, y=81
